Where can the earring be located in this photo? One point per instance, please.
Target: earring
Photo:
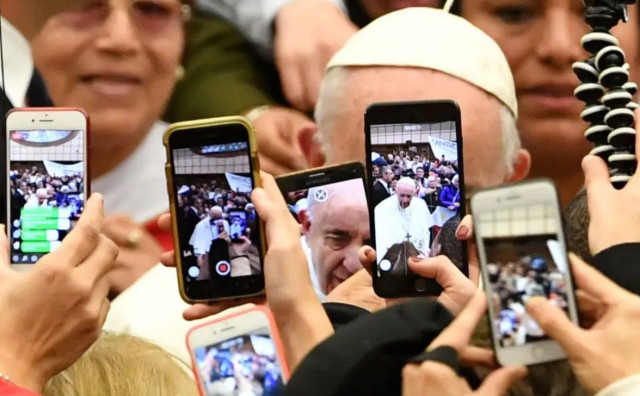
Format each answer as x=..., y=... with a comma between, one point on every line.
x=179, y=73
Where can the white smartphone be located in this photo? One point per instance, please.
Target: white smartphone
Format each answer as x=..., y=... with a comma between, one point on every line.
x=238, y=354
x=522, y=252
x=47, y=181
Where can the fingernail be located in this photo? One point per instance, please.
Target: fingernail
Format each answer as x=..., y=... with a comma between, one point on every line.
x=2, y=228
x=463, y=232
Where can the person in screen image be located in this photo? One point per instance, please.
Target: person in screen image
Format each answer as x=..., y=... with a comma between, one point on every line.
x=207, y=230
x=402, y=221
x=335, y=226
x=450, y=195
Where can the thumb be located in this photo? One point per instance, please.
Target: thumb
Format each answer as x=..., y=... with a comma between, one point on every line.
x=596, y=176
x=438, y=268
x=367, y=257
x=499, y=382
x=555, y=323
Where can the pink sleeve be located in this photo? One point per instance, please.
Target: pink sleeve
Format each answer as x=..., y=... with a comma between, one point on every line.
x=9, y=389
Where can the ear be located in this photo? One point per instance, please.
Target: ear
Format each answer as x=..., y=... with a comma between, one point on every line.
x=305, y=222
x=521, y=166
x=310, y=146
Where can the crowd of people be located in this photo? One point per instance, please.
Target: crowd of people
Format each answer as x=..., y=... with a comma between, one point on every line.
x=34, y=187
x=239, y=370
x=213, y=211
x=134, y=64
x=513, y=284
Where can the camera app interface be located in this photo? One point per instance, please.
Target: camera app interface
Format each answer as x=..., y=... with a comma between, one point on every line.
x=525, y=259
x=46, y=190
x=217, y=223
x=244, y=366
x=416, y=194
x=335, y=225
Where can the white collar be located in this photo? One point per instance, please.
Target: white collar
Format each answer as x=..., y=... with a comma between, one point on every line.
x=18, y=64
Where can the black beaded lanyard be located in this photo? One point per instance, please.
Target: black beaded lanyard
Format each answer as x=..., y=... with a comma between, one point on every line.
x=607, y=91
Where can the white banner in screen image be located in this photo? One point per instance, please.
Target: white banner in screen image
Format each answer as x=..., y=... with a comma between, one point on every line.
x=444, y=148
x=239, y=183
x=60, y=170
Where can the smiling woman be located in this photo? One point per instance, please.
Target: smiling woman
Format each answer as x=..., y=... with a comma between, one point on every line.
x=541, y=40
x=118, y=60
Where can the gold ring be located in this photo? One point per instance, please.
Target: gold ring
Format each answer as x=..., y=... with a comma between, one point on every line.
x=134, y=238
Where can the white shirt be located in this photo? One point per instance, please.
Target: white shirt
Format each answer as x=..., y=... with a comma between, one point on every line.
x=203, y=234
x=138, y=186
x=394, y=223
x=254, y=18
x=18, y=64
x=385, y=185
x=629, y=386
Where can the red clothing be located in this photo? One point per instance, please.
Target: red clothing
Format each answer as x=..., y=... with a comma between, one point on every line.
x=9, y=389
x=164, y=238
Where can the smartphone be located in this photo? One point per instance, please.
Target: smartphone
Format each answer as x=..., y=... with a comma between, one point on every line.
x=417, y=193
x=212, y=168
x=238, y=225
x=331, y=206
x=47, y=181
x=238, y=354
x=522, y=253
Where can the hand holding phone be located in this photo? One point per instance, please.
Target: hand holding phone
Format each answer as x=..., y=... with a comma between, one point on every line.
x=522, y=254
x=211, y=171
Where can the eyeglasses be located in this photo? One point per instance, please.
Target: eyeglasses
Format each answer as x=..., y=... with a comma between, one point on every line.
x=149, y=16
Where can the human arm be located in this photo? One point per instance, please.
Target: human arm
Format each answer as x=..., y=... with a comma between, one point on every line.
x=446, y=197
x=54, y=313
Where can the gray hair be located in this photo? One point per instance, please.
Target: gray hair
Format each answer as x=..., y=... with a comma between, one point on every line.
x=329, y=104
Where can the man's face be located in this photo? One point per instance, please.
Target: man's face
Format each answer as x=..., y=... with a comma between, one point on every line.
x=215, y=214
x=388, y=176
x=337, y=231
x=419, y=173
x=376, y=172
x=378, y=8
x=405, y=195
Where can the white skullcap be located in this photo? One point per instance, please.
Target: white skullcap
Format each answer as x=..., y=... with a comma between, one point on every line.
x=406, y=181
x=431, y=38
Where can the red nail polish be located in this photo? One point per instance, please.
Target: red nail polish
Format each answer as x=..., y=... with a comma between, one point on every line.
x=463, y=232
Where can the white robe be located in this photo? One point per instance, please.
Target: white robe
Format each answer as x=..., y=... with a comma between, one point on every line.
x=392, y=227
x=204, y=234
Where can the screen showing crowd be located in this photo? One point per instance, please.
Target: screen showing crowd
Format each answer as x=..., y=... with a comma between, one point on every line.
x=241, y=366
x=525, y=259
x=416, y=193
x=335, y=225
x=217, y=223
x=46, y=190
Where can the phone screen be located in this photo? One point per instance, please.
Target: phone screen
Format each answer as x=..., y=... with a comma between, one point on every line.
x=242, y=365
x=47, y=173
x=525, y=257
x=334, y=219
x=217, y=223
x=417, y=190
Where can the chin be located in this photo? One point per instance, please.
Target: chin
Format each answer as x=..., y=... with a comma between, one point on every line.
x=558, y=138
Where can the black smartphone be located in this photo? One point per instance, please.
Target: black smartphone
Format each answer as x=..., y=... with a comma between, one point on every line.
x=212, y=169
x=331, y=206
x=416, y=186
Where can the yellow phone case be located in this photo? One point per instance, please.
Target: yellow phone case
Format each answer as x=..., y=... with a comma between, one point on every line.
x=255, y=164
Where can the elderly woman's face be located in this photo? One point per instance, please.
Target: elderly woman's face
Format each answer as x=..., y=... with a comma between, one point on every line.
x=541, y=40
x=117, y=59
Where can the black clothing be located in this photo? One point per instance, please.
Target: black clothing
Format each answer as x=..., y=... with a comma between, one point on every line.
x=621, y=263
x=366, y=357
x=380, y=193
x=340, y=315
x=357, y=13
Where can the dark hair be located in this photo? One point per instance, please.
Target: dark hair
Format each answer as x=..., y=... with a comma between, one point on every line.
x=456, y=8
x=576, y=218
x=450, y=246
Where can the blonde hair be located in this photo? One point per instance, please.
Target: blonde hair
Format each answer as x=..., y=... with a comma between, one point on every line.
x=123, y=365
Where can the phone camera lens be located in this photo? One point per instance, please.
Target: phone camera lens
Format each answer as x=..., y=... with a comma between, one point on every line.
x=33, y=120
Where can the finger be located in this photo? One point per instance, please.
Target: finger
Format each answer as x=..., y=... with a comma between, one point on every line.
x=593, y=282
x=200, y=311
x=4, y=248
x=591, y=309
x=555, y=323
x=459, y=332
x=439, y=268
x=99, y=303
x=292, y=84
x=83, y=239
x=499, y=382
x=267, y=164
x=314, y=72
x=476, y=356
x=596, y=179
x=101, y=260
x=104, y=311
x=164, y=222
x=465, y=229
x=168, y=259
x=367, y=257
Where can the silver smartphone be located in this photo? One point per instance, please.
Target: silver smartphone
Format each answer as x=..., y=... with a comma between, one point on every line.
x=522, y=252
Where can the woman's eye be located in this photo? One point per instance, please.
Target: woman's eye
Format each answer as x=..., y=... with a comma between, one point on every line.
x=514, y=15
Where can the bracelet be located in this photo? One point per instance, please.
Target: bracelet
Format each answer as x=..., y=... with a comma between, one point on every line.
x=256, y=112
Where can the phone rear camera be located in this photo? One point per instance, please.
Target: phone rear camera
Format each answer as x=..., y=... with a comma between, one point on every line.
x=33, y=120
